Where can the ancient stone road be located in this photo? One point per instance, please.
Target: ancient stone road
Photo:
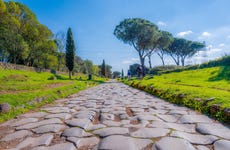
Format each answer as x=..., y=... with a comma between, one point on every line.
x=114, y=116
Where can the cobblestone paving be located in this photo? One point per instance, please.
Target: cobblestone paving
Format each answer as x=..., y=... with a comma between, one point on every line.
x=113, y=116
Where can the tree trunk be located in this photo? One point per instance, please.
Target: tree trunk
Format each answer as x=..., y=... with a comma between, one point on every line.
x=150, y=63
x=161, y=55
x=69, y=74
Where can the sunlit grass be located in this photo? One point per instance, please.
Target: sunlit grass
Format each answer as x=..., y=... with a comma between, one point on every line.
x=20, y=88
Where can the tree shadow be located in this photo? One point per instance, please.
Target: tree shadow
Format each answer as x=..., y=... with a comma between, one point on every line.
x=223, y=74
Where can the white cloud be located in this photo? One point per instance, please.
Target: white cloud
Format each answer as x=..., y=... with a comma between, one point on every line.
x=221, y=45
x=184, y=33
x=206, y=34
x=228, y=36
x=131, y=61
x=161, y=23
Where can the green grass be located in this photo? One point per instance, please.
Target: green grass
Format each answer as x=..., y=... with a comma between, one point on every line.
x=21, y=88
x=187, y=86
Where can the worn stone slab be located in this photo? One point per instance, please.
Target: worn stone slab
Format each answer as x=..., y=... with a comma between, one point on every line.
x=56, y=109
x=16, y=135
x=44, y=139
x=112, y=131
x=158, y=124
x=119, y=142
x=146, y=117
x=178, y=112
x=182, y=127
x=195, y=119
x=214, y=129
x=75, y=132
x=84, y=142
x=63, y=116
x=201, y=147
x=112, y=123
x=53, y=128
x=24, y=121
x=195, y=138
x=34, y=115
x=222, y=145
x=40, y=123
x=61, y=146
x=82, y=123
x=95, y=127
x=170, y=143
x=150, y=132
x=169, y=118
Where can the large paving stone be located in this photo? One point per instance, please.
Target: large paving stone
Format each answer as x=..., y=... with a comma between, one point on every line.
x=57, y=109
x=63, y=116
x=54, y=128
x=119, y=142
x=169, y=118
x=82, y=123
x=95, y=127
x=34, y=115
x=16, y=135
x=150, y=132
x=112, y=131
x=24, y=121
x=195, y=119
x=41, y=123
x=147, y=117
x=170, y=143
x=75, y=132
x=84, y=142
x=182, y=127
x=214, y=129
x=61, y=146
x=112, y=123
x=178, y=112
x=36, y=141
x=222, y=145
x=201, y=147
x=158, y=124
x=195, y=138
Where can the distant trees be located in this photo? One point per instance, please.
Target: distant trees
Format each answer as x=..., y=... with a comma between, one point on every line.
x=180, y=49
x=70, y=51
x=105, y=70
x=141, y=34
x=116, y=74
x=146, y=39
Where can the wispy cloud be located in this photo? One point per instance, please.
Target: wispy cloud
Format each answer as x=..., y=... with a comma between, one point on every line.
x=161, y=23
x=184, y=33
x=221, y=45
x=130, y=61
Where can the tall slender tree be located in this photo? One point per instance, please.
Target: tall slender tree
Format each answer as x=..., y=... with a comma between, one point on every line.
x=103, y=69
x=70, y=51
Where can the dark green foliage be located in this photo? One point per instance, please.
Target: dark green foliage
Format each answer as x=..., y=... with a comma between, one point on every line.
x=103, y=69
x=141, y=34
x=70, y=51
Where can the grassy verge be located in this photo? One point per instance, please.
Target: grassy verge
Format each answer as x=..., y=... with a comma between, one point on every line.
x=206, y=90
x=25, y=91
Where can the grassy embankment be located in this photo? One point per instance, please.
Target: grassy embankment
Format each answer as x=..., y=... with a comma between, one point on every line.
x=206, y=90
x=25, y=90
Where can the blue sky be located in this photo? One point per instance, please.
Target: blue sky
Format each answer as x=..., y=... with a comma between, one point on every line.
x=93, y=22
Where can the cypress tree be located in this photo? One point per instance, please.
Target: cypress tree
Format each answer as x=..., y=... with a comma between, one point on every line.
x=70, y=52
x=103, y=69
